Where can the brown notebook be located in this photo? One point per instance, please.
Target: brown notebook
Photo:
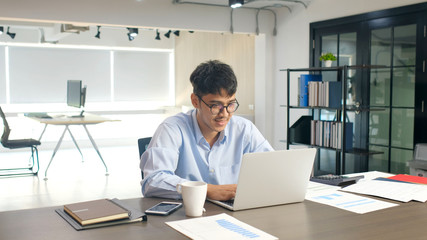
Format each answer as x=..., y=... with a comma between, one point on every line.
x=96, y=211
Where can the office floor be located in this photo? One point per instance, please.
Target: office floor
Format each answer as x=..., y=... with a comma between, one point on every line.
x=70, y=179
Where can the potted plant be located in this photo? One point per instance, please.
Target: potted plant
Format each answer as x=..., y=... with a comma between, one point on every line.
x=327, y=58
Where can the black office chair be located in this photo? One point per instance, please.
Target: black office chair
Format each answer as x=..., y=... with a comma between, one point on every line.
x=142, y=146
x=33, y=167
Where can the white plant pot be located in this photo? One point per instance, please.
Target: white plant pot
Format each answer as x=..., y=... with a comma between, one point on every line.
x=328, y=63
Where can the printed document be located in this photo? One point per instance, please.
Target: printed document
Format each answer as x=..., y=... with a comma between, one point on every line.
x=347, y=201
x=221, y=226
x=403, y=192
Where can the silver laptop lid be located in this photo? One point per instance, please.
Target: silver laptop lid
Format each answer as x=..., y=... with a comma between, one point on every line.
x=273, y=178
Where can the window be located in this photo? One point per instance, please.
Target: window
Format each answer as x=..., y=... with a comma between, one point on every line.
x=38, y=75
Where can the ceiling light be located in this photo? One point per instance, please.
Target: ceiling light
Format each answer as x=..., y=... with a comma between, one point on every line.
x=133, y=32
x=157, y=35
x=168, y=34
x=235, y=3
x=98, y=34
x=12, y=35
x=1, y=30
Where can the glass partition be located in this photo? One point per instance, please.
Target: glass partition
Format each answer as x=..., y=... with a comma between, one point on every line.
x=394, y=89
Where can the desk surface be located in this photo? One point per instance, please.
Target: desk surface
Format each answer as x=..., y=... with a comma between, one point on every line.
x=307, y=220
x=66, y=120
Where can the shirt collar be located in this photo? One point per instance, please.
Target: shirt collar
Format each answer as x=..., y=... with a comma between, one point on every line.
x=198, y=133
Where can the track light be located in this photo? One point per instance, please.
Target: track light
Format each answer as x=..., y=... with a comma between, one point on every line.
x=1, y=30
x=12, y=35
x=168, y=34
x=235, y=3
x=157, y=34
x=98, y=34
x=133, y=32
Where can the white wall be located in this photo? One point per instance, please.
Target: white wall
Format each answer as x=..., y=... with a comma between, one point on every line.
x=288, y=49
x=160, y=14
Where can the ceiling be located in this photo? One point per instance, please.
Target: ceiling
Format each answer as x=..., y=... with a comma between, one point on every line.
x=52, y=32
x=250, y=3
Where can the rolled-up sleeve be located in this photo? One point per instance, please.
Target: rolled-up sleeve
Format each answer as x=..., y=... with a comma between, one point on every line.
x=159, y=163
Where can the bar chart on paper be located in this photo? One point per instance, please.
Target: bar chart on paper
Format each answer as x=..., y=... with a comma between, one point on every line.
x=221, y=226
x=349, y=202
x=236, y=228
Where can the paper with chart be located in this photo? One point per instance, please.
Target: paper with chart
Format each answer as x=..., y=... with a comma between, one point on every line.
x=329, y=195
x=221, y=226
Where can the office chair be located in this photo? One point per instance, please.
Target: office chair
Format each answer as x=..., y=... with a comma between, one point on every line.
x=19, y=143
x=142, y=146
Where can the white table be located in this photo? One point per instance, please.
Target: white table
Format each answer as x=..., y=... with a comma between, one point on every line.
x=66, y=121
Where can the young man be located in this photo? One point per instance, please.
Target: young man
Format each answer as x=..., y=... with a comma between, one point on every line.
x=205, y=144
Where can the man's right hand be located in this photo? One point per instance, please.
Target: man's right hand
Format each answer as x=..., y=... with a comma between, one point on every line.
x=221, y=192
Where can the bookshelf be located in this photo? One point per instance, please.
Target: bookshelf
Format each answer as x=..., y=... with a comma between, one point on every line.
x=340, y=140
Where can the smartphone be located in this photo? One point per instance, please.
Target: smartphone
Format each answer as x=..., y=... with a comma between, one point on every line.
x=164, y=208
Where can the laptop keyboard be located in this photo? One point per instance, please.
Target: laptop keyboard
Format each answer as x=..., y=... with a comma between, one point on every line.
x=229, y=202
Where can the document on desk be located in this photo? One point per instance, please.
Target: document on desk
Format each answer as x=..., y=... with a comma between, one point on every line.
x=315, y=187
x=399, y=191
x=329, y=195
x=370, y=175
x=221, y=226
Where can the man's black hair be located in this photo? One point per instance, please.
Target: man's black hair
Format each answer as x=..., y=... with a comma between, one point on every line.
x=211, y=77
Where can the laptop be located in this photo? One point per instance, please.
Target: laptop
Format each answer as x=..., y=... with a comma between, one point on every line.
x=272, y=178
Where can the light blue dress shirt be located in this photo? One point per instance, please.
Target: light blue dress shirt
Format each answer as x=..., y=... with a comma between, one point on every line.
x=178, y=152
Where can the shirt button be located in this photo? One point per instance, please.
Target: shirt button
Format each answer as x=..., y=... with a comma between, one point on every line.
x=212, y=170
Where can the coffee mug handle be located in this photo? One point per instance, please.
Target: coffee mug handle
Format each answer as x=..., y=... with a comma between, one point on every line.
x=179, y=188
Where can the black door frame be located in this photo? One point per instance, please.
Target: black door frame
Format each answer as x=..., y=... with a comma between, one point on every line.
x=362, y=24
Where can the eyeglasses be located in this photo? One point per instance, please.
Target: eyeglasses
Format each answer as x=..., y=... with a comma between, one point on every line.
x=217, y=108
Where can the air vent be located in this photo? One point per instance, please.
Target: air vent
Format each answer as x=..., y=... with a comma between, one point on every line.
x=70, y=28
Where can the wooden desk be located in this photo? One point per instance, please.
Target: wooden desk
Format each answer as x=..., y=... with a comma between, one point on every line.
x=87, y=119
x=307, y=220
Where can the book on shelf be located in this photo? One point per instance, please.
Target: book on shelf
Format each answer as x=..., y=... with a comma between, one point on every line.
x=299, y=92
x=303, y=85
x=325, y=94
x=313, y=93
x=329, y=134
x=100, y=213
x=332, y=94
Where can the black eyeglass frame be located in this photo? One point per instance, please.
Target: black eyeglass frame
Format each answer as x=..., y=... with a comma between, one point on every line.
x=222, y=106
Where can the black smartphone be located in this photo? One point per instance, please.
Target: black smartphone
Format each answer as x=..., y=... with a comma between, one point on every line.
x=163, y=208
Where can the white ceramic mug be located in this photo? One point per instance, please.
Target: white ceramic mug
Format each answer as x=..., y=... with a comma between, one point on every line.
x=193, y=196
